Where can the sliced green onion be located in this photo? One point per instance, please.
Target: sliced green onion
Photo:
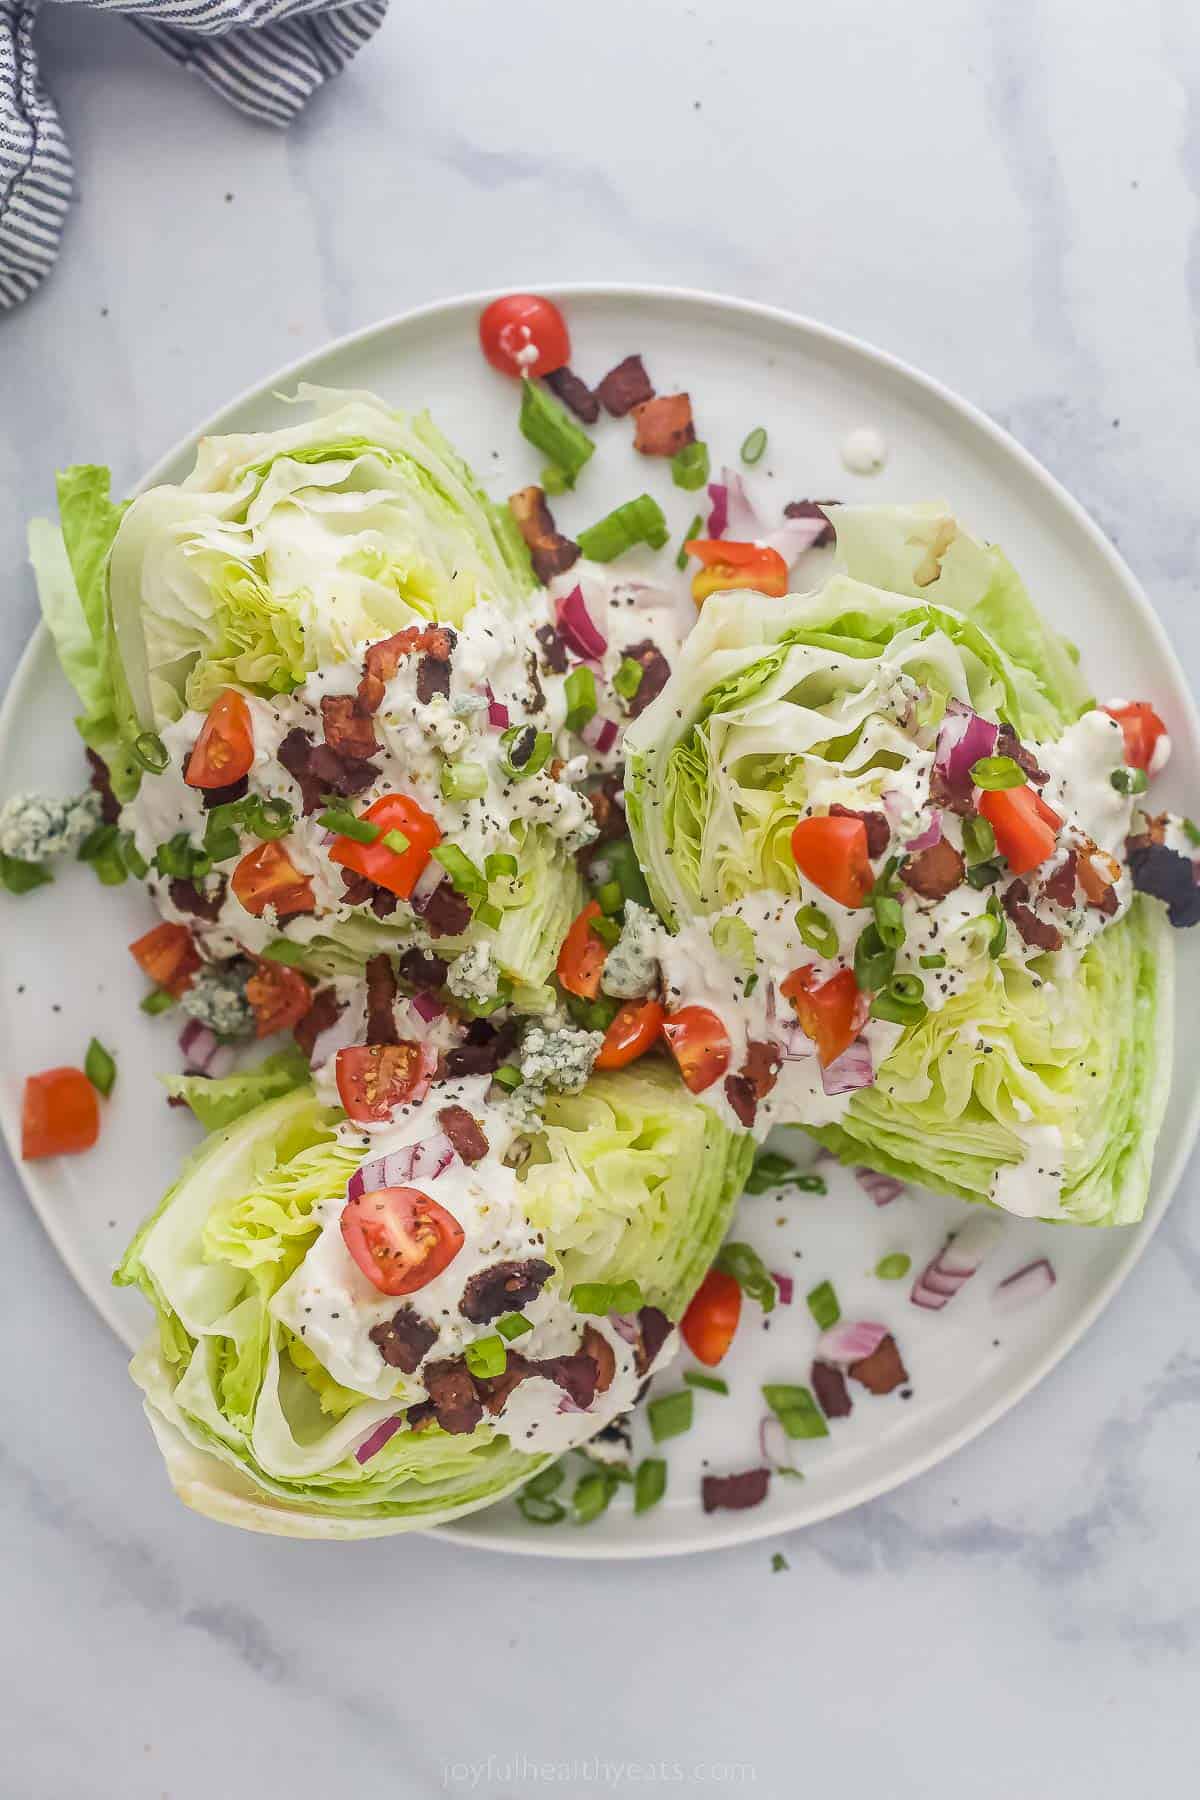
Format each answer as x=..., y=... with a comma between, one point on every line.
x=670, y=1415
x=463, y=781
x=639, y=521
x=1191, y=831
x=824, y=1305
x=553, y=480
x=508, y=1076
x=618, y=862
x=176, y=857
x=526, y=751
x=545, y=1483
x=282, y=950
x=999, y=937
x=649, y=1483
x=157, y=1001
x=22, y=877
x=513, y=1325
x=101, y=850
x=100, y=1068
x=983, y=875
x=489, y=915
x=486, y=1356
x=396, y=842
x=270, y=817
x=610, y=897
x=994, y=773
x=593, y=1493
x=550, y=427
x=135, y=862
x=894, y=1267
x=607, y=930
x=754, y=445
x=593, y=1015
x=497, y=865
x=538, y=1511
x=348, y=824
x=628, y=678
x=751, y=984
x=693, y=531
x=733, y=939
x=151, y=752
x=889, y=920
x=462, y=871
x=902, y=1001
x=979, y=840
x=579, y=691
x=907, y=987
x=873, y=960
x=816, y=930
x=935, y=960
x=690, y=466
x=1130, y=781
x=779, y=1562
x=712, y=1384
x=600, y=1297
x=771, y=1170
x=749, y=1271
x=796, y=1410
x=221, y=825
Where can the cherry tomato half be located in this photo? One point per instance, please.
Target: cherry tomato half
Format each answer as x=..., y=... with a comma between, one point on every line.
x=832, y=854
x=700, y=1045
x=1025, y=827
x=224, y=751
x=709, y=1324
x=582, y=957
x=280, y=997
x=396, y=870
x=513, y=326
x=268, y=877
x=829, y=1013
x=728, y=564
x=400, y=1238
x=373, y=1079
x=60, y=1115
x=635, y=1030
x=168, y=956
x=1142, y=728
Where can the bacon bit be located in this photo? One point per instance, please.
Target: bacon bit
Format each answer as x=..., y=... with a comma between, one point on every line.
x=597, y=1346
x=465, y=1133
x=734, y=1493
x=882, y=1370
x=879, y=832
x=505, y=1287
x=495, y=1389
x=384, y=902
x=550, y=552
x=423, y=970
x=1155, y=831
x=1039, y=934
x=762, y=1065
x=625, y=387
x=1009, y=744
x=381, y=1000
x=482, y=1052
x=1092, y=867
x=452, y=1395
x=742, y=1097
x=813, y=509
x=935, y=872
x=403, y=1340
x=190, y=898
x=99, y=780
x=608, y=814
x=447, y=912
x=1060, y=887
x=1169, y=876
x=317, y=770
x=357, y=889
x=833, y=1396
x=554, y=651
x=664, y=425
x=325, y=1011
x=226, y=796
x=348, y=729
x=576, y=1375
x=383, y=659
x=433, y=677
x=420, y=1416
x=654, y=1328
x=574, y=393
x=656, y=672
x=538, y=701
x=957, y=796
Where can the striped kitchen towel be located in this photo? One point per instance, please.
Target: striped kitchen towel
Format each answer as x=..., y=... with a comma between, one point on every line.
x=264, y=56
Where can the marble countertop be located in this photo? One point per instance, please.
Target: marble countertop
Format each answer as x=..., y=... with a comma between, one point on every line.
x=995, y=195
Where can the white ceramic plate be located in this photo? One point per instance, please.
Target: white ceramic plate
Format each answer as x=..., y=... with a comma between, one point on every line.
x=65, y=973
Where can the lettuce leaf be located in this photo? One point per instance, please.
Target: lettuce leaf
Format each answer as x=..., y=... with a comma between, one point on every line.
x=221, y=1101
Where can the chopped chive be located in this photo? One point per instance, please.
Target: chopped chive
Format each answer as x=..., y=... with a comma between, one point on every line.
x=670, y=1415
x=463, y=781
x=611, y=897
x=282, y=950
x=489, y=915
x=894, y=1267
x=508, y=1076
x=628, y=678
x=551, y=429
x=599, y=1297
x=579, y=691
x=157, y=1001
x=712, y=1384
x=100, y=1068
x=690, y=466
x=649, y=1483
x=796, y=1410
x=693, y=531
x=935, y=960
x=979, y=840
x=348, y=824
x=151, y=752
x=513, y=1325
x=995, y=773
x=553, y=480
x=639, y=521
x=486, y=1356
x=22, y=877
x=749, y=1271
x=817, y=931
x=593, y=1493
x=606, y=929
x=462, y=871
x=498, y=866
x=1130, y=781
x=823, y=1305
x=754, y=445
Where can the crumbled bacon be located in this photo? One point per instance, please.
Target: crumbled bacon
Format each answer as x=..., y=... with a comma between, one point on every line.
x=202, y=903
x=734, y=1493
x=381, y=1000
x=1039, y=934
x=325, y=1011
x=607, y=810
x=447, y=912
x=482, y=1052
x=762, y=1065
x=452, y=1394
x=1009, y=744
x=465, y=1133
x=549, y=551
x=597, y=1346
x=1154, y=832
x=625, y=387
x=656, y=672
x=956, y=796
x=318, y=770
x=812, y=509
x=654, y=1328
x=348, y=729
x=1098, y=881
x=574, y=393
x=882, y=1370
x=879, y=832
x=403, y=1339
x=1169, y=876
x=494, y=1390
x=225, y=796
x=935, y=872
x=576, y=1375
x=100, y=781
x=423, y=970
x=829, y=1385
x=554, y=651
x=664, y=425
x=742, y=1098
x=1060, y=887
x=384, y=902
x=433, y=677
x=504, y=1287
x=383, y=659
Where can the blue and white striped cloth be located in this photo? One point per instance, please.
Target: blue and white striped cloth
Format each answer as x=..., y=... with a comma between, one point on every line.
x=264, y=56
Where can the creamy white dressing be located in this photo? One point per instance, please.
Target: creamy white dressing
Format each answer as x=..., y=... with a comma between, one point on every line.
x=1032, y=1188
x=864, y=450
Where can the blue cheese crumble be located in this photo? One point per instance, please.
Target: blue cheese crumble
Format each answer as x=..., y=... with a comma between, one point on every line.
x=558, y=1056
x=34, y=827
x=631, y=966
x=474, y=975
x=217, y=998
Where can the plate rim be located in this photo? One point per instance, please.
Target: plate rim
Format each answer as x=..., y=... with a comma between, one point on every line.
x=748, y=1529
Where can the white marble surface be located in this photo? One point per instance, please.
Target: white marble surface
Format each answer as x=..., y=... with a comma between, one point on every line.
x=1004, y=194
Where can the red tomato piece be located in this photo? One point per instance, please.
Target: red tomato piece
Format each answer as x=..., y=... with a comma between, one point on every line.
x=60, y=1115
x=700, y=1045
x=400, y=1238
x=728, y=564
x=168, y=956
x=1142, y=729
x=583, y=954
x=510, y=327
x=709, y=1324
x=1025, y=827
x=268, y=877
x=832, y=854
x=829, y=1013
x=373, y=1079
x=224, y=751
x=635, y=1030
x=280, y=997
x=396, y=870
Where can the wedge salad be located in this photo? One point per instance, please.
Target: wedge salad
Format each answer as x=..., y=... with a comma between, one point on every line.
x=508, y=901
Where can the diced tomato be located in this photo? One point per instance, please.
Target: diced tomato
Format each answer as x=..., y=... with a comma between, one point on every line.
x=168, y=956
x=1025, y=827
x=700, y=1045
x=831, y=1013
x=1142, y=729
x=396, y=870
x=709, y=1324
x=268, y=877
x=224, y=751
x=280, y=997
x=733, y=565
x=400, y=1238
x=373, y=1079
x=832, y=853
x=60, y=1115
x=518, y=322
x=582, y=956
x=634, y=1031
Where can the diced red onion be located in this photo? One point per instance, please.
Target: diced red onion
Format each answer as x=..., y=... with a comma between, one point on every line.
x=718, y=517
x=931, y=835
x=577, y=626
x=849, y=1341
x=793, y=1041
x=370, y=1446
x=774, y=1443
x=786, y=1286
x=1029, y=1283
x=497, y=711
x=742, y=520
x=422, y=1161
x=431, y=877
x=221, y=1062
x=626, y=1326
x=793, y=537
x=427, y=1008
x=600, y=734
x=852, y=1070
x=962, y=740
x=203, y=1051
x=956, y=1262
x=883, y=1189
x=567, y=1405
